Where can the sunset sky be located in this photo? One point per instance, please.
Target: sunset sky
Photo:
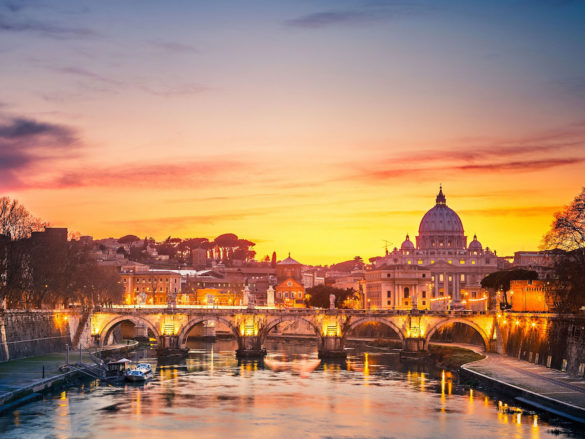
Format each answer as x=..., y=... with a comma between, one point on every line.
x=319, y=127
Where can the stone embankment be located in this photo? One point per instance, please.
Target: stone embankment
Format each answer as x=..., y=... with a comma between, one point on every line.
x=29, y=333
x=531, y=384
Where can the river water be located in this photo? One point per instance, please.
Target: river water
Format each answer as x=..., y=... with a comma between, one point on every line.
x=210, y=394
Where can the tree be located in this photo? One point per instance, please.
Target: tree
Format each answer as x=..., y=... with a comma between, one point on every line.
x=500, y=280
x=566, y=242
x=128, y=239
x=273, y=260
x=16, y=221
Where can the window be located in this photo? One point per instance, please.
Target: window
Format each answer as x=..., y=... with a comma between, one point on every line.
x=424, y=275
x=440, y=278
x=424, y=295
x=450, y=261
x=462, y=261
x=289, y=283
x=472, y=262
x=389, y=293
x=420, y=262
x=406, y=292
x=409, y=262
x=388, y=275
x=389, y=302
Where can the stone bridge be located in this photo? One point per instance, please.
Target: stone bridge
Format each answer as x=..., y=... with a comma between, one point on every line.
x=171, y=326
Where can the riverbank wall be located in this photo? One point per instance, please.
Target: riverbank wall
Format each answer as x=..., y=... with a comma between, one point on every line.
x=30, y=333
x=554, y=341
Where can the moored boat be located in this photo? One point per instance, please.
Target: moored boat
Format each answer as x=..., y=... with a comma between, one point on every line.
x=116, y=370
x=141, y=373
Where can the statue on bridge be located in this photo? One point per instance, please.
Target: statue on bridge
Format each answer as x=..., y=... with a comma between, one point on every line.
x=172, y=300
x=270, y=296
x=248, y=297
x=331, y=301
x=141, y=298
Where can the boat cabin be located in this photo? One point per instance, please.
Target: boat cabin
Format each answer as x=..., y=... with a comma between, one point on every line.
x=117, y=368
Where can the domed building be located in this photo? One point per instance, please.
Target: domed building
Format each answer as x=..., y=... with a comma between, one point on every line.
x=440, y=272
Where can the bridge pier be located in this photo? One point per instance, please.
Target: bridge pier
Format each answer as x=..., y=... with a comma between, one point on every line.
x=413, y=347
x=170, y=341
x=250, y=346
x=331, y=347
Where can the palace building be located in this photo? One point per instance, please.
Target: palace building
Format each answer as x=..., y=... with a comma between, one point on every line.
x=441, y=271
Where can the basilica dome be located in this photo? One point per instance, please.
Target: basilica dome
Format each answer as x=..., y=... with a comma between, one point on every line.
x=475, y=244
x=441, y=227
x=407, y=244
x=441, y=219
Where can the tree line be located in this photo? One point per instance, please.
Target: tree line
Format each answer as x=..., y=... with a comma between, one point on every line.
x=43, y=270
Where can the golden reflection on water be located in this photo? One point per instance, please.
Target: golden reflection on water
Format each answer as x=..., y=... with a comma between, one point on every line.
x=62, y=420
x=359, y=398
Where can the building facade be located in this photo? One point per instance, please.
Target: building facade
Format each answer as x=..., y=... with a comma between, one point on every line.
x=150, y=287
x=289, y=291
x=398, y=287
x=453, y=268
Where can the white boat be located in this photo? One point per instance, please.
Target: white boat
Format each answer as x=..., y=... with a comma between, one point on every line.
x=141, y=373
x=146, y=368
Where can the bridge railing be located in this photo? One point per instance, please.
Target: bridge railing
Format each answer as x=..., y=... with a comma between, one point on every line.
x=298, y=311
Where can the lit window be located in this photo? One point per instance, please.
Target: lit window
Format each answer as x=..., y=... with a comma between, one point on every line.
x=472, y=262
x=462, y=278
x=462, y=261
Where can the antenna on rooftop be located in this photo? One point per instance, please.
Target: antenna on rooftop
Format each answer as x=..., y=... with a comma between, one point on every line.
x=386, y=244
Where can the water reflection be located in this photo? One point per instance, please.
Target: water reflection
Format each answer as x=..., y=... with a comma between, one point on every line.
x=211, y=394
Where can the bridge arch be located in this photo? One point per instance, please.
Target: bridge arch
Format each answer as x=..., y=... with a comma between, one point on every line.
x=187, y=327
x=272, y=324
x=381, y=320
x=105, y=332
x=448, y=321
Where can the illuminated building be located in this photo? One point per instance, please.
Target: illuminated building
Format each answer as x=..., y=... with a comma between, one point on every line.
x=441, y=251
x=150, y=287
x=532, y=295
x=289, y=291
x=396, y=286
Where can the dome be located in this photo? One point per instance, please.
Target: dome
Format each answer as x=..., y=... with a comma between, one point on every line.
x=441, y=219
x=475, y=244
x=441, y=228
x=407, y=244
x=289, y=261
